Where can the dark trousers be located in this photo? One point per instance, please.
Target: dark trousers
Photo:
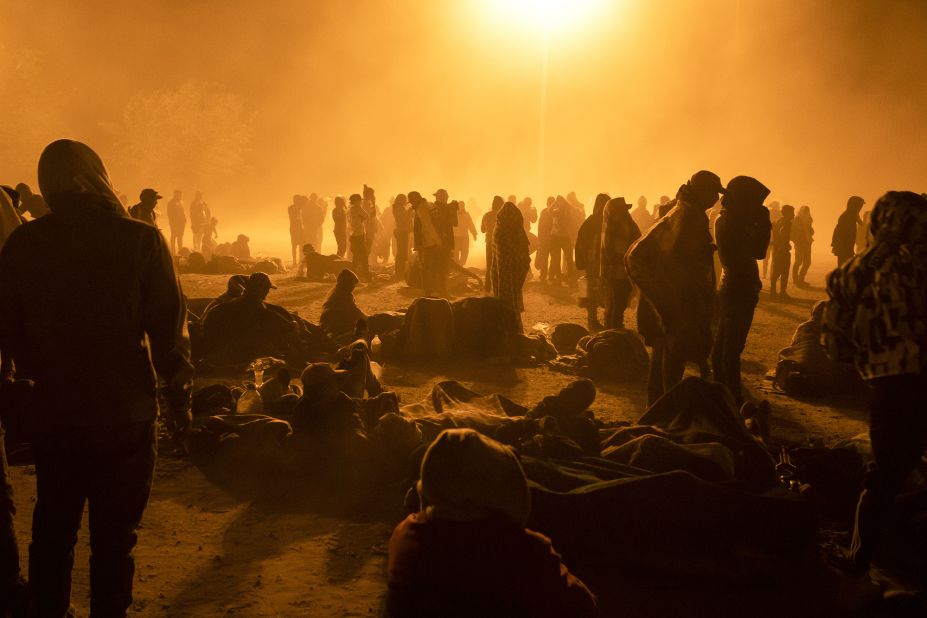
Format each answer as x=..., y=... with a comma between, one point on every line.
x=433, y=268
x=342, y=243
x=402, y=253
x=781, y=261
x=487, y=284
x=898, y=432
x=9, y=552
x=111, y=470
x=802, y=262
x=359, y=256
x=617, y=293
x=542, y=261
x=461, y=250
x=666, y=371
x=561, y=258
x=736, y=317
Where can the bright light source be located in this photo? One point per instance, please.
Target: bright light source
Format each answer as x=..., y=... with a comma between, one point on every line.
x=547, y=15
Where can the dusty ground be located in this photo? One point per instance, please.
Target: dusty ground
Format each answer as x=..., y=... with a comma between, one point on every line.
x=204, y=551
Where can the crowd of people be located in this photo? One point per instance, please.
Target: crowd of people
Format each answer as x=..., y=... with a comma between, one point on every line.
x=108, y=333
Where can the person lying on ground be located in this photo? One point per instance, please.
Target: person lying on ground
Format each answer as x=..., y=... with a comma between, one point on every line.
x=316, y=266
x=467, y=551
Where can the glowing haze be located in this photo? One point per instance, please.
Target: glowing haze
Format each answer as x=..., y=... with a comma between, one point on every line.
x=251, y=102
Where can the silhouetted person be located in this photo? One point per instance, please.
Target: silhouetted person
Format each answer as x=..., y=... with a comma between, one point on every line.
x=463, y=231
x=782, y=251
x=528, y=212
x=313, y=217
x=742, y=233
x=199, y=220
x=297, y=231
x=339, y=217
x=466, y=552
x=145, y=209
x=30, y=202
x=641, y=215
x=107, y=318
x=588, y=252
x=875, y=319
x=802, y=237
x=340, y=312
x=402, y=217
x=844, y=238
x=542, y=257
x=357, y=234
x=619, y=232
x=240, y=249
x=511, y=260
x=578, y=206
x=208, y=241
x=563, y=227
x=371, y=222
x=444, y=217
x=234, y=288
x=775, y=213
x=428, y=244
x=244, y=328
x=487, y=225
x=672, y=266
x=177, y=221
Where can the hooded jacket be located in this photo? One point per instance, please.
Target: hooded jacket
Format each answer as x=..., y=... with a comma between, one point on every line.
x=742, y=232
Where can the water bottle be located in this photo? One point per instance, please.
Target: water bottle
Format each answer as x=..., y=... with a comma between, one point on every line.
x=250, y=401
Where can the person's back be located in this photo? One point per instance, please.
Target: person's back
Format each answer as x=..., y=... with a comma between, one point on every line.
x=240, y=330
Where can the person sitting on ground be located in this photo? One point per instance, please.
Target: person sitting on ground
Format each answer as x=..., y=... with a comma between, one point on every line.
x=234, y=289
x=340, y=312
x=242, y=329
x=467, y=551
x=316, y=266
x=324, y=413
x=240, y=249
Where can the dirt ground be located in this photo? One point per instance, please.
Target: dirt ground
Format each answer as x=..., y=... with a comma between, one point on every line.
x=205, y=551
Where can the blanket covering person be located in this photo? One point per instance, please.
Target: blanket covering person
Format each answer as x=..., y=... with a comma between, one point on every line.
x=511, y=259
x=588, y=250
x=107, y=318
x=876, y=318
x=467, y=551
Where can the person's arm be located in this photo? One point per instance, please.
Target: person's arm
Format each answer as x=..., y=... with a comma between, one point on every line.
x=558, y=592
x=470, y=226
x=164, y=321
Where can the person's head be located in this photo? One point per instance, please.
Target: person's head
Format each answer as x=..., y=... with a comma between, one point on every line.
x=313, y=197
x=198, y=196
x=355, y=199
x=149, y=197
x=242, y=239
x=308, y=249
x=705, y=188
x=441, y=196
x=236, y=285
x=346, y=280
x=320, y=382
x=415, y=198
x=774, y=208
x=23, y=190
x=615, y=209
x=11, y=193
x=855, y=204
x=339, y=201
x=899, y=217
x=571, y=198
x=178, y=194
x=401, y=200
x=510, y=217
x=664, y=200
x=466, y=476
x=788, y=212
x=527, y=201
x=600, y=200
x=804, y=212
x=497, y=202
x=368, y=193
x=258, y=286
x=550, y=200
x=642, y=202
x=743, y=193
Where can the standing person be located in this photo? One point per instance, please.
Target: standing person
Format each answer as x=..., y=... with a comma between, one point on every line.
x=177, y=221
x=562, y=233
x=199, y=220
x=487, y=225
x=357, y=232
x=578, y=206
x=340, y=229
x=30, y=202
x=297, y=233
x=844, y=238
x=313, y=218
x=672, y=266
x=427, y=244
x=528, y=212
x=402, y=216
x=588, y=252
x=641, y=215
x=511, y=260
x=875, y=318
x=209, y=240
x=619, y=232
x=320, y=210
x=462, y=233
x=542, y=258
x=742, y=233
x=444, y=217
x=775, y=213
x=145, y=209
x=371, y=223
x=782, y=251
x=802, y=237
x=107, y=318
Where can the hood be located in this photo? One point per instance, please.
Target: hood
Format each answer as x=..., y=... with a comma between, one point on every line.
x=744, y=192
x=900, y=217
x=68, y=168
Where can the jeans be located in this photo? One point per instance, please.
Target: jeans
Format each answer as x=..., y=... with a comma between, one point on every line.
x=111, y=470
x=342, y=243
x=898, y=432
x=402, y=253
x=781, y=261
x=802, y=261
x=359, y=258
x=617, y=294
x=560, y=246
x=736, y=317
